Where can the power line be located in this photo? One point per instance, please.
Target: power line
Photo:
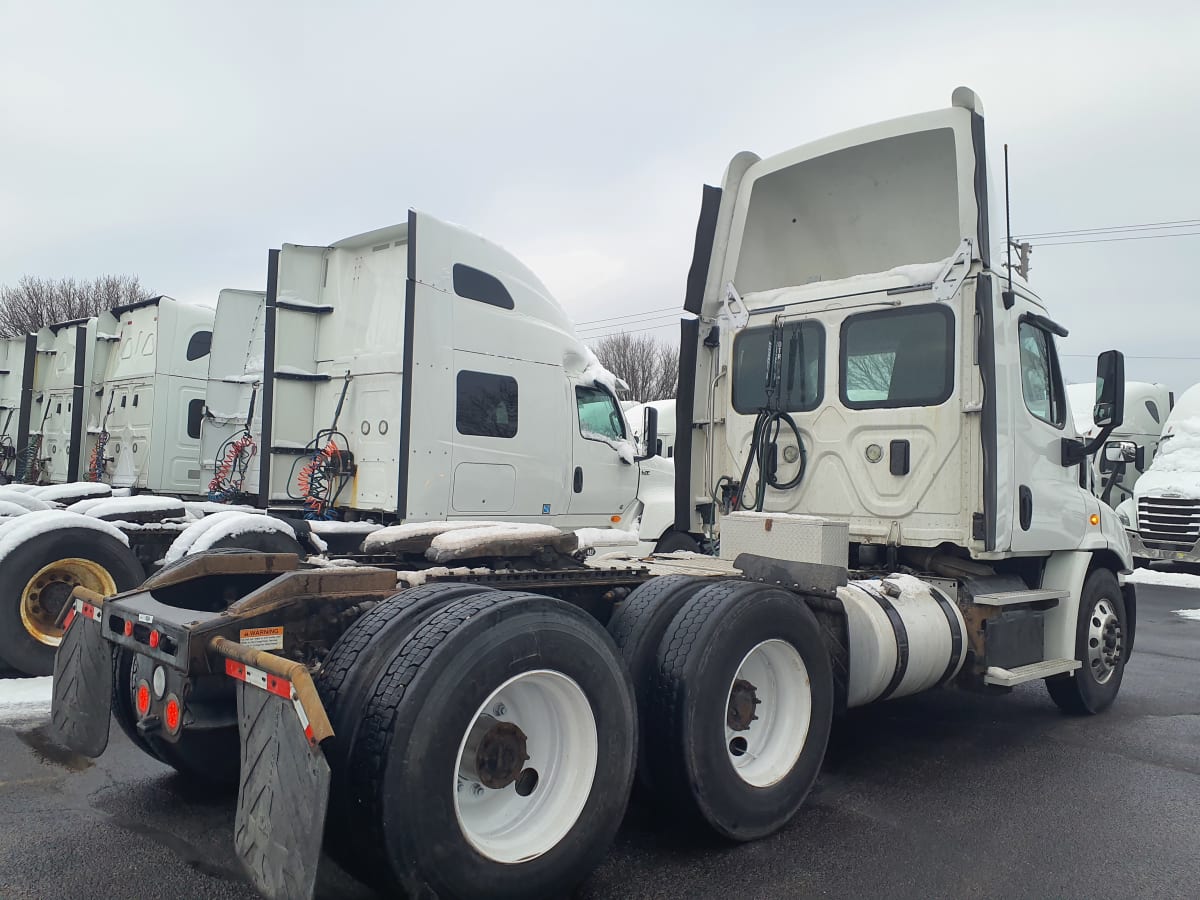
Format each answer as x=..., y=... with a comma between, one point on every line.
x=597, y=337
x=1147, y=226
x=1127, y=356
x=667, y=319
x=643, y=312
x=1141, y=237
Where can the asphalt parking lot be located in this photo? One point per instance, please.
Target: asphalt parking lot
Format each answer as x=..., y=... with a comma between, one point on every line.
x=941, y=795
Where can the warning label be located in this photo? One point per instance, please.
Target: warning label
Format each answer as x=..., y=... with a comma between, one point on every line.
x=262, y=638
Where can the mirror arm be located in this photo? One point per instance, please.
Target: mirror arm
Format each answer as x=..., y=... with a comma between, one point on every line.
x=1075, y=450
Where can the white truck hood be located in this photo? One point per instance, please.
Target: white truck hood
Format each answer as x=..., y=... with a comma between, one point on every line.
x=1176, y=466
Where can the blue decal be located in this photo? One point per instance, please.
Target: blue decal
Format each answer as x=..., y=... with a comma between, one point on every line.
x=545, y=509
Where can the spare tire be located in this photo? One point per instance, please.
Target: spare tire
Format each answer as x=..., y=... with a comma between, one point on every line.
x=36, y=580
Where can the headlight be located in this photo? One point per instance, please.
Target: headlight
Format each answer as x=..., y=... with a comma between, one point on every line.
x=1124, y=519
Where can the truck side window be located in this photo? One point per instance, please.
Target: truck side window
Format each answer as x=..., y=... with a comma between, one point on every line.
x=600, y=418
x=200, y=345
x=195, y=416
x=898, y=357
x=1041, y=381
x=800, y=371
x=486, y=404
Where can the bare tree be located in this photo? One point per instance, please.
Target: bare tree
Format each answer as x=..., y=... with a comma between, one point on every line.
x=36, y=302
x=648, y=365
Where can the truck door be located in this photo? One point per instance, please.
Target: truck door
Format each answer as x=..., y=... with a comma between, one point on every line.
x=604, y=478
x=1048, y=503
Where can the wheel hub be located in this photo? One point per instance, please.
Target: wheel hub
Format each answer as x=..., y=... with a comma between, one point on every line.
x=742, y=699
x=49, y=590
x=1105, y=641
x=496, y=753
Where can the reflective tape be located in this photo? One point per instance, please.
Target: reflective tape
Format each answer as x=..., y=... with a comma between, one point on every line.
x=272, y=684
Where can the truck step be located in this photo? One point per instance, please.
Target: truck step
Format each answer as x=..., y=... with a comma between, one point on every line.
x=1047, y=596
x=1032, y=672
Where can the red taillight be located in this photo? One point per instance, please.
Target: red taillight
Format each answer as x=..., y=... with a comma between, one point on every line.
x=172, y=714
x=154, y=639
x=143, y=698
x=128, y=628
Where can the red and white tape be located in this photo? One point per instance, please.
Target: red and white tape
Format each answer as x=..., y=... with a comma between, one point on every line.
x=272, y=684
x=82, y=608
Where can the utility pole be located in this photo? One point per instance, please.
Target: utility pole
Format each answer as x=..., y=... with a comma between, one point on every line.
x=1024, y=251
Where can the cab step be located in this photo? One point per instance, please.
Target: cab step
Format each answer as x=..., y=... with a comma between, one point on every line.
x=1044, y=598
x=1032, y=672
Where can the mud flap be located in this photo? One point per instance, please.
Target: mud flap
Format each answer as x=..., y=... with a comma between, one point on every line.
x=81, y=703
x=283, y=792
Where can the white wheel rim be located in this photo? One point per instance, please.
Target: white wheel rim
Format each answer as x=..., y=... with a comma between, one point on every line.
x=764, y=749
x=563, y=747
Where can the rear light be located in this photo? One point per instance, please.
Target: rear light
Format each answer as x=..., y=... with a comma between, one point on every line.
x=128, y=628
x=172, y=714
x=154, y=636
x=142, y=698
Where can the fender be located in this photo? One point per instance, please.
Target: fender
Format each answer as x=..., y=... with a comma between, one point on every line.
x=1065, y=570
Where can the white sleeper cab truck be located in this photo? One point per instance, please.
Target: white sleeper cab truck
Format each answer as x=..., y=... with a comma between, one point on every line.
x=232, y=424
x=873, y=424
x=439, y=382
x=1130, y=449
x=17, y=357
x=145, y=429
x=70, y=353
x=1163, y=516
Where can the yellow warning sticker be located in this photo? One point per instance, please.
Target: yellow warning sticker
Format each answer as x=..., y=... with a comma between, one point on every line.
x=262, y=638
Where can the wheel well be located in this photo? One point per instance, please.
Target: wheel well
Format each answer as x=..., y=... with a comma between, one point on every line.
x=1105, y=559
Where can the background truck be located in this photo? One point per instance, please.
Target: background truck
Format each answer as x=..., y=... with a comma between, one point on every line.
x=873, y=424
x=1130, y=449
x=17, y=357
x=1163, y=515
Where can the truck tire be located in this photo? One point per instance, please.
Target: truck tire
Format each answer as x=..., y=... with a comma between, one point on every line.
x=637, y=628
x=735, y=655
x=347, y=678
x=259, y=542
x=539, y=683
x=1099, y=645
x=674, y=541
x=36, y=579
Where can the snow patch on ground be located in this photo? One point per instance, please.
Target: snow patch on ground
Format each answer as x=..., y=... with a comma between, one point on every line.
x=1170, y=579
x=1193, y=614
x=24, y=700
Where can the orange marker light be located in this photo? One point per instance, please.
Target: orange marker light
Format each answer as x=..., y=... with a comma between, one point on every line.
x=143, y=698
x=1094, y=519
x=172, y=714
x=615, y=519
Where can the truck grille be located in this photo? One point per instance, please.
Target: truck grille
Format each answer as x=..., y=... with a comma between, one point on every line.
x=1167, y=524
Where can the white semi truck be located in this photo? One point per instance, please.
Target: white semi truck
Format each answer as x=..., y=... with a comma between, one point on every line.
x=17, y=356
x=872, y=423
x=1163, y=515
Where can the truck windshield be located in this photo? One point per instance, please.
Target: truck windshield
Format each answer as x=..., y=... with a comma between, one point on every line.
x=799, y=372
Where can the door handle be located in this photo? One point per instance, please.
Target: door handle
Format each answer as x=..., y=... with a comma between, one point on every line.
x=1026, y=507
x=578, y=479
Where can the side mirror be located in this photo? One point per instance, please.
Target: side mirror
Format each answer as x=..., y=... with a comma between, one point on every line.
x=1109, y=411
x=1120, y=451
x=650, y=432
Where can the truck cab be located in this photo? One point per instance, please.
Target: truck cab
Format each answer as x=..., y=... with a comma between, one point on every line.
x=856, y=356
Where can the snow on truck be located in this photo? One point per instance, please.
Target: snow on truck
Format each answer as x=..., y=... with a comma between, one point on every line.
x=872, y=422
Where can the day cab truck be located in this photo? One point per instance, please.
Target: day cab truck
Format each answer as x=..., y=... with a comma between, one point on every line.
x=872, y=427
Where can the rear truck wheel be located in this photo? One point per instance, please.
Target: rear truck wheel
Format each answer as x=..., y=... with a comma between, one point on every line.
x=496, y=753
x=1100, y=641
x=637, y=628
x=741, y=712
x=674, y=541
x=36, y=580
x=348, y=676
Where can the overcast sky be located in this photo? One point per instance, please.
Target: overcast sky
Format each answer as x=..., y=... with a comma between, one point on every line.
x=179, y=142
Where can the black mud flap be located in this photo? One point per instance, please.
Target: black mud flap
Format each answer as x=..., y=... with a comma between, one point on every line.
x=283, y=791
x=81, y=704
